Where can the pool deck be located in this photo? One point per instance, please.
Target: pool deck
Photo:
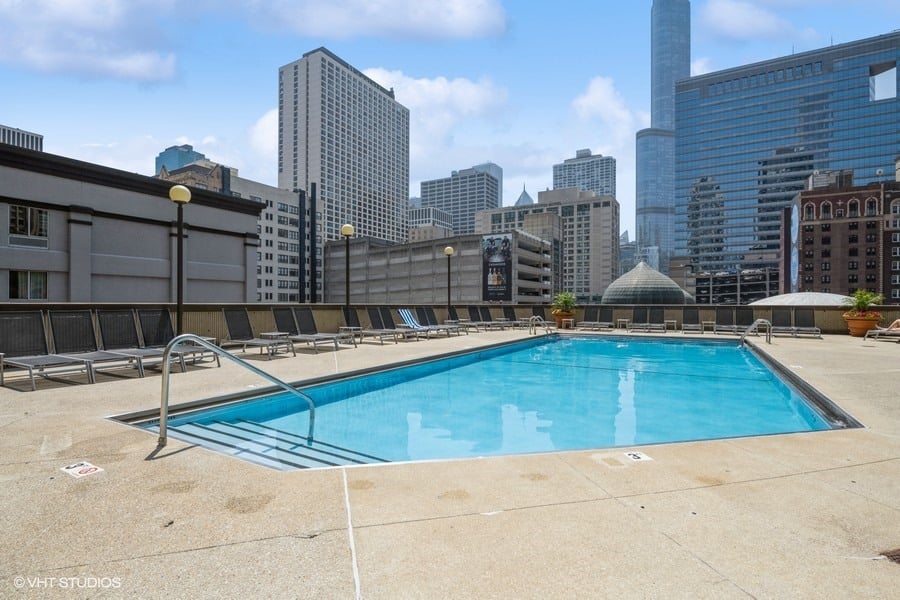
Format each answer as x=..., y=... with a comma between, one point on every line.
x=785, y=516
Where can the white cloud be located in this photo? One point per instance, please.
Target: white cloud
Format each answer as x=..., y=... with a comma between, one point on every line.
x=602, y=103
x=744, y=21
x=446, y=19
x=97, y=38
x=263, y=135
x=446, y=116
x=701, y=66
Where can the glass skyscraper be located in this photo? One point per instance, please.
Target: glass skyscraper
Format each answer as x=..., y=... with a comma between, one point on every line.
x=670, y=60
x=748, y=138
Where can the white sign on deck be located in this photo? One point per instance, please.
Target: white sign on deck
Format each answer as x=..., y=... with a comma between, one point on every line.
x=637, y=456
x=81, y=469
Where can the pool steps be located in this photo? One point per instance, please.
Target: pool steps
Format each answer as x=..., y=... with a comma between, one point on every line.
x=268, y=446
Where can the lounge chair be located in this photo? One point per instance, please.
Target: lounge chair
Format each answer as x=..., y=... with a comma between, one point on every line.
x=454, y=319
x=351, y=319
x=23, y=345
x=782, y=321
x=805, y=322
x=74, y=336
x=509, y=313
x=882, y=332
x=426, y=316
x=411, y=322
x=656, y=319
x=743, y=319
x=488, y=319
x=597, y=317
x=157, y=332
x=306, y=324
x=475, y=317
x=118, y=333
x=287, y=320
x=387, y=322
x=240, y=333
x=724, y=320
x=690, y=319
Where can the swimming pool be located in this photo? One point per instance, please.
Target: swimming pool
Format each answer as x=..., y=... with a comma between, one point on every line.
x=545, y=394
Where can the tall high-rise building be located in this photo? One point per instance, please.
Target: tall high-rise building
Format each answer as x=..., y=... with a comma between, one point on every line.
x=464, y=193
x=21, y=138
x=748, y=138
x=670, y=60
x=344, y=133
x=591, y=172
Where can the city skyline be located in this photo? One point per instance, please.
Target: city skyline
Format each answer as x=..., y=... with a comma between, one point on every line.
x=115, y=83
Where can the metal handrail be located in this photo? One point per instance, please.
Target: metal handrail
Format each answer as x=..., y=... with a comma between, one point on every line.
x=755, y=327
x=190, y=337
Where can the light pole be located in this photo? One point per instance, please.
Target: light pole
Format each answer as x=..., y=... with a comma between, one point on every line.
x=448, y=251
x=180, y=195
x=347, y=232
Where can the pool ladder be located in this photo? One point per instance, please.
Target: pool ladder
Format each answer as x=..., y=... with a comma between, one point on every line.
x=755, y=328
x=166, y=371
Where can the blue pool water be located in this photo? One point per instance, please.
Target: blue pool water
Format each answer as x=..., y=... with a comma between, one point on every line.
x=546, y=394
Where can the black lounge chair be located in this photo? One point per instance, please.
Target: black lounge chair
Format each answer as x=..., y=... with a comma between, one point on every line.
x=240, y=333
x=157, y=332
x=427, y=317
x=782, y=322
x=724, y=320
x=509, y=313
x=74, y=336
x=690, y=319
x=743, y=319
x=23, y=345
x=488, y=319
x=453, y=318
x=596, y=317
x=118, y=333
x=384, y=318
x=805, y=322
x=306, y=325
x=411, y=322
x=351, y=319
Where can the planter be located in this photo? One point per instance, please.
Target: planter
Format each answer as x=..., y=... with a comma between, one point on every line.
x=563, y=315
x=859, y=327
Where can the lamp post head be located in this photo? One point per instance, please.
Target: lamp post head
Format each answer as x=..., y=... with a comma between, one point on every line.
x=448, y=251
x=347, y=230
x=179, y=194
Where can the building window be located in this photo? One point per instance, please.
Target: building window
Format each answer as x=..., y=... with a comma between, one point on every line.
x=826, y=278
x=871, y=237
x=27, y=285
x=826, y=211
x=826, y=253
x=853, y=252
x=826, y=226
x=27, y=226
x=870, y=251
x=809, y=212
x=826, y=266
x=852, y=278
x=853, y=265
x=895, y=265
x=853, y=208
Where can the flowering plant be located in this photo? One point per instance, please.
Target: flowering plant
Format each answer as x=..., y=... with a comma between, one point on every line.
x=860, y=304
x=564, y=302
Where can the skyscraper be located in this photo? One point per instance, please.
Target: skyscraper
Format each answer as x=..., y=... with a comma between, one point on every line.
x=340, y=130
x=176, y=157
x=464, y=193
x=593, y=173
x=749, y=138
x=670, y=60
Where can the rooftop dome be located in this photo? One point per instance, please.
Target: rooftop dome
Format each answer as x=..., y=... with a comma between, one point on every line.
x=645, y=285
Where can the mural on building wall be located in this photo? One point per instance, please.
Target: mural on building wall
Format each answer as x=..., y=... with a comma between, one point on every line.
x=496, y=253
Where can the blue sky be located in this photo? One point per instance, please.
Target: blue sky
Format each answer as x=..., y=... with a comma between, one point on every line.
x=521, y=83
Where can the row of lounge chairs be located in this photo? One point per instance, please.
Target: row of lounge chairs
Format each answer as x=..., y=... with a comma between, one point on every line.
x=118, y=338
x=735, y=320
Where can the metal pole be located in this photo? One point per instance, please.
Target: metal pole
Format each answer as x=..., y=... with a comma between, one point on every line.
x=448, y=283
x=180, y=283
x=347, y=271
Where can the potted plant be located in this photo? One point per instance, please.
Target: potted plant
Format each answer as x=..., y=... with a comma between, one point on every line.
x=563, y=307
x=859, y=316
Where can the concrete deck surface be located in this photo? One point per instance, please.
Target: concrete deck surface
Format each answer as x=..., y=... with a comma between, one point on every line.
x=786, y=516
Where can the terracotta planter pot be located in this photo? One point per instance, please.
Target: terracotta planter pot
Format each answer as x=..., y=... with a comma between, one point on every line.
x=859, y=327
